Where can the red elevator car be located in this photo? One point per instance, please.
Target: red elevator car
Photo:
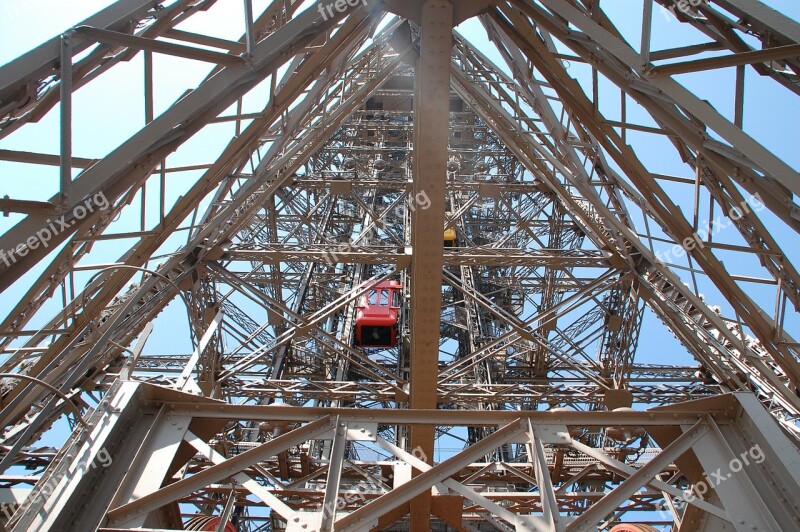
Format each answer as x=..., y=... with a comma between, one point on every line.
x=376, y=315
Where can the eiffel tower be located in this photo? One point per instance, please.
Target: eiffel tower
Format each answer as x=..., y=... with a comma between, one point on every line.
x=399, y=265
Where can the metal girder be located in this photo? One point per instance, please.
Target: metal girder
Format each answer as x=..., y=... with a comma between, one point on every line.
x=431, y=114
x=550, y=258
x=764, y=18
x=743, y=58
x=738, y=421
x=590, y=519
x=422, y=483
x=456, y=393
x=251, y=485
x=152, y=45
x=444, y=417
x=760, y=156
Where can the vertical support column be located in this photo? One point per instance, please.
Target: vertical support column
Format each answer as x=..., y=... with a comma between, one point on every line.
x=148, y=87
x=647, y=27
x=248, y=22
x=739, y=98
x=335, y=466
x=550, y=508
x=431, y=131
x=66, y=116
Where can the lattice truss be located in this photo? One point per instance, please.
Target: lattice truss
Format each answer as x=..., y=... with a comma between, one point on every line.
x=193, y=311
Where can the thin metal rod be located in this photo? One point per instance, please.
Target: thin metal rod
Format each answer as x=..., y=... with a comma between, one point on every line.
x=739, y=98
x=148, y=87
x=66, y=115
x=72, y=406
x=647, y=25
x=248, y=21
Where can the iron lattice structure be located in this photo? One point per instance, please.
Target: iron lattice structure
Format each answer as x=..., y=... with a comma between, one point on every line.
x=534, y=236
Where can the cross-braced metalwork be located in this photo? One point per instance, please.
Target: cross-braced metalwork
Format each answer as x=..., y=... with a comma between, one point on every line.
x=193, y=301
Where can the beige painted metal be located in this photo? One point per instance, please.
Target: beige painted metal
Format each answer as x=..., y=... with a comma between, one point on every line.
x=518, y=335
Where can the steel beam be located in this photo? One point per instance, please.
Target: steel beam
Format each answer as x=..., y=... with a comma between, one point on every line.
x=152, y=501
x=431, y=121
x=367, y=515
x=743, y=58
x=153, y=45
x=449, y=417
x=43, y=60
